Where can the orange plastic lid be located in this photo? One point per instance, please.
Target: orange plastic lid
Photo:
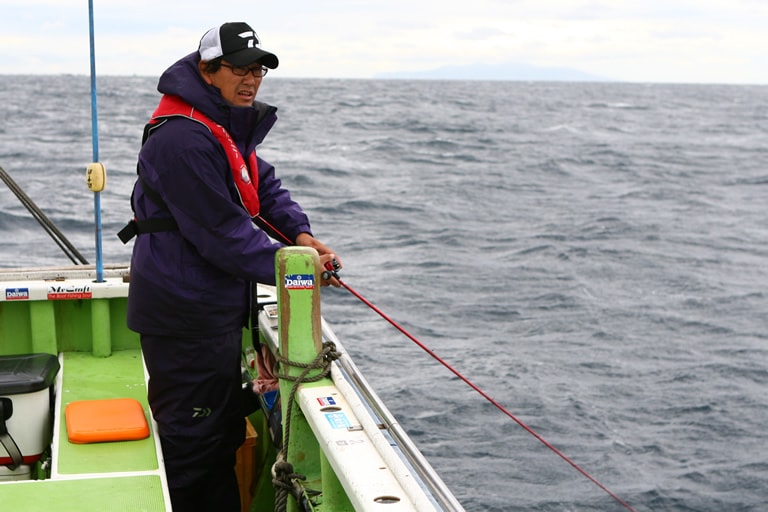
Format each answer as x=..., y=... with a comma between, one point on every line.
x=98, y=421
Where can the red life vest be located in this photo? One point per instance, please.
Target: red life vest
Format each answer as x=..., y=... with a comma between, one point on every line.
x=246, y=177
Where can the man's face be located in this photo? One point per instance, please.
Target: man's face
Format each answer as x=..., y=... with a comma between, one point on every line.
x=238, y=85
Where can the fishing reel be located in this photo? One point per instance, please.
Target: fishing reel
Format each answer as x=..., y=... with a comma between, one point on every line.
x=331, y=269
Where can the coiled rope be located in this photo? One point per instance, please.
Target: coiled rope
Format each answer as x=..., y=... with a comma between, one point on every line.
x=284, y=477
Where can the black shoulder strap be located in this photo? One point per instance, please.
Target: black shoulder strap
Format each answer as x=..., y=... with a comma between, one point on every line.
x=7, y=442
x=138, y=227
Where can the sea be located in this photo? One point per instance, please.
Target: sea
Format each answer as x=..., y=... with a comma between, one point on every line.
x=591, y=257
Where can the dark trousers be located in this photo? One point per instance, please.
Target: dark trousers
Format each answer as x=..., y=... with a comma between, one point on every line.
x=196, y=399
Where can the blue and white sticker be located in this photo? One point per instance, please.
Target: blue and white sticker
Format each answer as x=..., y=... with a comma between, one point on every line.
x=326, y=400
x=338, y=420
x=17, y=294
x=299, y=281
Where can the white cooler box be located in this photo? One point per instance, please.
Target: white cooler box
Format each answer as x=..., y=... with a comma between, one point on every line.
x=26, y=392
x=20, y=473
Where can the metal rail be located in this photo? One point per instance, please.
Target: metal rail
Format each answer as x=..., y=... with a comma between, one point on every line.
x=429, y=477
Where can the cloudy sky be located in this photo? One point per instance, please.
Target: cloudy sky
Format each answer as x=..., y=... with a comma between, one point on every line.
x=692, y=41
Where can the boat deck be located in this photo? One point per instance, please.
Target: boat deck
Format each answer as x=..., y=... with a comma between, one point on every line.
x=125, y=475
x=54, y=311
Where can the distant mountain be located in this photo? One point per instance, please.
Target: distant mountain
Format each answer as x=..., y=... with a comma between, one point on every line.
x=504, y=71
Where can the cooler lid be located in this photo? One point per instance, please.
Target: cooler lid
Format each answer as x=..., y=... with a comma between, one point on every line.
x=27, y=373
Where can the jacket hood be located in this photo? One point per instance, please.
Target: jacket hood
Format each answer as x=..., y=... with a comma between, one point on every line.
x=247, y=125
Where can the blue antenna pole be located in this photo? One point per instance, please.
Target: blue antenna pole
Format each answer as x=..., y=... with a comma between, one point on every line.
x=95, y=138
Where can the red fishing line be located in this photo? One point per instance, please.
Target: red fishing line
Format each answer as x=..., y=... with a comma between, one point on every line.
x=486, y=396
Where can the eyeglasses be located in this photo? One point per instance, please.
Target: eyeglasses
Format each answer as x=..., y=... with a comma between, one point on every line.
x=257, y=72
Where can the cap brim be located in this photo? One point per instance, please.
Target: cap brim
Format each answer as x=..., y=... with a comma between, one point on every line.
x=251, y=55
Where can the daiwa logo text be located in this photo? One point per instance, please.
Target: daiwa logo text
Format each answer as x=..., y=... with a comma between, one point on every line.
x=299, y=282
x=17, y=294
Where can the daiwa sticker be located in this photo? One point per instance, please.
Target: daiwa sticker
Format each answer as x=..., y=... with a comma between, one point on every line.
x=68, y=292
x=299, y=281
x=17, y=294
x=326, y=400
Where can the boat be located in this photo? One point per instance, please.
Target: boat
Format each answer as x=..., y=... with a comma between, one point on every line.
x=77, y=433
x=63, y=341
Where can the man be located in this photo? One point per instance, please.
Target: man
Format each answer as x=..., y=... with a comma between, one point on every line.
x=200, y=189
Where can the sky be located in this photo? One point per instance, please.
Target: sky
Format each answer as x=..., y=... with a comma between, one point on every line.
x=664, y=41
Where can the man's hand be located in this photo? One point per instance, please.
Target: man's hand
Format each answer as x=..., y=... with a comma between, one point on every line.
x=326, y=257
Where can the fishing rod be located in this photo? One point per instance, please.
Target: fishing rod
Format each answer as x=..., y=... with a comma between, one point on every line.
x=331, y=270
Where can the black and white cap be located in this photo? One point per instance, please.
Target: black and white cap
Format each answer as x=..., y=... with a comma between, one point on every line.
x=237, y=43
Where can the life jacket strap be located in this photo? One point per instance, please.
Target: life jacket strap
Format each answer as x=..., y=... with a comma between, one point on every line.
x=156, y=225
x=140, y=227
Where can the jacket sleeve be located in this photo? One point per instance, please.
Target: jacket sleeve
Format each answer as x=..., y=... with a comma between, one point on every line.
x=187, y=167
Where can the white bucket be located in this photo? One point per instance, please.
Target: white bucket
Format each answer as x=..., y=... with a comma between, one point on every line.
x=23, y=472
x=26, y=389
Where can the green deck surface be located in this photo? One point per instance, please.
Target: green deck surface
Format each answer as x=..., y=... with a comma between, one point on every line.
x=87, y=377
x=84, y=483
x=133, y=493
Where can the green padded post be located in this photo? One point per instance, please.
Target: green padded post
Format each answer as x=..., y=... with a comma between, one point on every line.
x=42, y=318
x=100, y=328
x=300, y=335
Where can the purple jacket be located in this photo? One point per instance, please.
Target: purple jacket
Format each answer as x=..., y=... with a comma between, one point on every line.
x=195, y=281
